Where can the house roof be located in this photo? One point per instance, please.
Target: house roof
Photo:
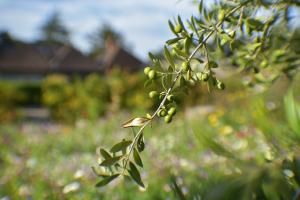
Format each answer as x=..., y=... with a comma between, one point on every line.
x=22, y=58
x=43, y=58
x=125, y=60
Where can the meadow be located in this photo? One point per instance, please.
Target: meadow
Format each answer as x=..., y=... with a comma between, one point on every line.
x=227, y=144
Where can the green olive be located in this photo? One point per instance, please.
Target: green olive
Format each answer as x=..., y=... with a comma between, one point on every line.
x=221, y=15
x=168, y=118
x=264, y=64
x=147, y=70
x=151, y=74
x=185, y=66
x=205, y=77
x=178, y=28
x=153, y=94
x=162, y=113
x=172, y=111
x=170, y=97
x=220, y=86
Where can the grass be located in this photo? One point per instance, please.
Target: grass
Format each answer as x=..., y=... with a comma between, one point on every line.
x=53, y=161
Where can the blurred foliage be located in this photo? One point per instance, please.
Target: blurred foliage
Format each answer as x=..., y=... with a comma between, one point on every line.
x=14, y=94
x=71, y=100
x=243, y=146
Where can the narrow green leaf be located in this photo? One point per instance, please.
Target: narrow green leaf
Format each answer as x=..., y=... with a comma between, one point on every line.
x=137, y=158
x=106, y=180
x=105, y=154
x=198, y=59
x=172, y=27
x=180, y=53
x=99, y=174
x=140, y=143
x=200, y=6
x=120, y=146
x=168, y=57
x=180, y=22
x=151, y=57
x=147, y=83
x=174, y=40
x=213, y=64
x=110, y=161
x=206, y=16
x=135, y=174
x=187, y=45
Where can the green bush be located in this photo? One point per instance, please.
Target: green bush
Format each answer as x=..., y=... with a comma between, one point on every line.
x=69, y=100
x=14, y=94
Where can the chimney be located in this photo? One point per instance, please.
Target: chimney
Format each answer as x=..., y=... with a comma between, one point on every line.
x=111, y=48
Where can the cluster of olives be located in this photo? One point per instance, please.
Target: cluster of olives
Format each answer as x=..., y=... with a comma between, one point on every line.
x=166, y=112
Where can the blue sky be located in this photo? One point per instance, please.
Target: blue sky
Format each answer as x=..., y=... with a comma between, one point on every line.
x=143, y=23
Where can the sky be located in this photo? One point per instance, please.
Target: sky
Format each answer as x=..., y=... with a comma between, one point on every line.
x=143, y=23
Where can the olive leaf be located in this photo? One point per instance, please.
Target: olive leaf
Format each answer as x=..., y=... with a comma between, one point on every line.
x=121, y=146
x=151, y=57
x=172, y=27
x=200, y=8
x=110, y=161
x=106, y=180
x=213, y=64
x=173, y=41
x=99, y=174
x=135, y=174
x=168, y=57
x=137, y=158
x=181, y=23
x=140, y=143
x=187, y=44
x=104, y=153
x=135, y=122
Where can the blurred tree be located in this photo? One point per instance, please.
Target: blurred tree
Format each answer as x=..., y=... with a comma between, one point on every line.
x=54, y=30
x=102, y=35
x=6, y=38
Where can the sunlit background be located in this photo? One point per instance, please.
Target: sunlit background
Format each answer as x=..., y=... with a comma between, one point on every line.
x=71, y=72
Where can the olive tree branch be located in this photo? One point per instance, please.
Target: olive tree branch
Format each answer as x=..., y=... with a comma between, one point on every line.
x=178, y=73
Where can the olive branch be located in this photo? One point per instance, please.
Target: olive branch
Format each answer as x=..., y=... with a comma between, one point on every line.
x=124, y=157
x=143, y=122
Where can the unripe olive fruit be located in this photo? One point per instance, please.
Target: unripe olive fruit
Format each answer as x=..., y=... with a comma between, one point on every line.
x=205, y=77
x=153, y=94
x=162, y=113
x=264, y=64
x=220, y=86
x=221, y=15
x=178, y=28
x=151, y=74
x=147, y=70
x=170, y=97
x=168, y=118
x=185, y=66
x=172, y=111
